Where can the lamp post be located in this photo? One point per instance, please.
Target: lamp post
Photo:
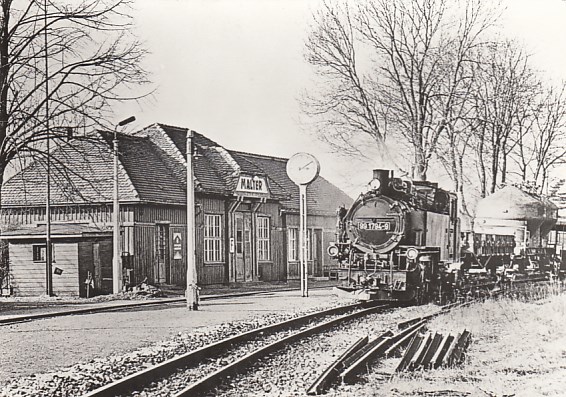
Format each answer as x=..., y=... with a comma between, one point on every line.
x=116, y=260
x=192, y=288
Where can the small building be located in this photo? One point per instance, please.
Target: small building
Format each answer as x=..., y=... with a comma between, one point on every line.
x=82, y=257
x=247, y=209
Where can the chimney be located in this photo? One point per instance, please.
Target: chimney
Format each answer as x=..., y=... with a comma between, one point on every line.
x=383, y=176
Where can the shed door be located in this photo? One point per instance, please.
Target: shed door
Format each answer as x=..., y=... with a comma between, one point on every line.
x=97, y=266
x=243, y=238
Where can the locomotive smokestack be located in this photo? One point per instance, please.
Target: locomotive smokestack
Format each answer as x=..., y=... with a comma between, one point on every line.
x=383, y=176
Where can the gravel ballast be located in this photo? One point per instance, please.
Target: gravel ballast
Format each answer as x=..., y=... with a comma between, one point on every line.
x=107, y=346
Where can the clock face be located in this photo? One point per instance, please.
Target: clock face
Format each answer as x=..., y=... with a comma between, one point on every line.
x=303, y=168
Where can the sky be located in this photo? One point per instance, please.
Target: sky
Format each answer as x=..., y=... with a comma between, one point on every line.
x=234, y=69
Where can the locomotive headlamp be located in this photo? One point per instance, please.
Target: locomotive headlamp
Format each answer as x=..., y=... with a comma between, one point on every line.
x=333, y=250
x=375, y=184
x=412, y=253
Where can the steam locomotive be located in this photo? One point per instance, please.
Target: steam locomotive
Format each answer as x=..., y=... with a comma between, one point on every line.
x=400, y=241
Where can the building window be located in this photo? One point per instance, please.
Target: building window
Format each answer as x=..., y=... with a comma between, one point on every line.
x=292, y=248
x=38, y=252
x=213, y=247
x=263, y=242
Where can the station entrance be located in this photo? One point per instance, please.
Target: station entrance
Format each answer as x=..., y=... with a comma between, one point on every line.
x=244, y=258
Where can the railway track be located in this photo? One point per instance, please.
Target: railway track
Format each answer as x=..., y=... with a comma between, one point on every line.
x=208, y=368
x=196, y=372
x=293, y=370
x=140, y=305
x=356, y=358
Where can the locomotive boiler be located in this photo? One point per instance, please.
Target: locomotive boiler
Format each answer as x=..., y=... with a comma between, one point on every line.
x=398, y=240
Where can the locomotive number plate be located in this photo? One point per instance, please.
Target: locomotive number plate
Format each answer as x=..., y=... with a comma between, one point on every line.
x=374, y=225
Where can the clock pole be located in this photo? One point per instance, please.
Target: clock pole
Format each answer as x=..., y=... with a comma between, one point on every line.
x=303, y=168
x=303, y=239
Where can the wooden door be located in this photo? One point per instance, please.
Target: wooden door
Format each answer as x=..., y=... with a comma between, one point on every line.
x=97, y=276
x=243, y=242
x=239, y=237
x=248, y=248
x=317, y=253
x=102, y=253
x=162, y=254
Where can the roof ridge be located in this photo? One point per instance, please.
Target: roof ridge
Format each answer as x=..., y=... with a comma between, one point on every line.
x=170, y=126
x=268, y=157
x=225, y=154
x=212, y=167
x=169, y=140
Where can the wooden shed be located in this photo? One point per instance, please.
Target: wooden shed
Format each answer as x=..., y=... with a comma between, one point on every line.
x=81, y=253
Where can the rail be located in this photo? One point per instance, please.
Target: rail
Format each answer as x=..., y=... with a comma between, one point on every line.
x=138, y=380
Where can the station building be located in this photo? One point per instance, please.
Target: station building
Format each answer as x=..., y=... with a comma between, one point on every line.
x=247, y=215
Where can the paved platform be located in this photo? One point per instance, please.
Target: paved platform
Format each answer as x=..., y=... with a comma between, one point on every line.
x=53, y=343
x=14, y=308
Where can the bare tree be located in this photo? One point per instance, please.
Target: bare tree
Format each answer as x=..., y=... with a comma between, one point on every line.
x=541, y=144
x=345, y=108
x=81, y=56
x=413, y=55
x=454, y=155
x=504, y=86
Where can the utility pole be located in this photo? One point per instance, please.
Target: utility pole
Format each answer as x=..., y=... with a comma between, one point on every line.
x=192, y=288
x=116, y=259
x=48, y=248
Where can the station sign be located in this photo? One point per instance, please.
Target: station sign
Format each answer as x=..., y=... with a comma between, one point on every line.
x=177, y=246
x=254, y=185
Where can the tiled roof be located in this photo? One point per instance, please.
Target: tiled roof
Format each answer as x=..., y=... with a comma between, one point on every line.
x=152, y=168
x=179, y=136
x=151, y=173
x=81, y=172
x=207, y=170
x=207, y=174
x=250, y=165
x=225, y=166
x=322, y=197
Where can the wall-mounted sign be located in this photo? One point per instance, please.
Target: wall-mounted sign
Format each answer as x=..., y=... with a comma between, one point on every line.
x=252, y=184
x=177, y=246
